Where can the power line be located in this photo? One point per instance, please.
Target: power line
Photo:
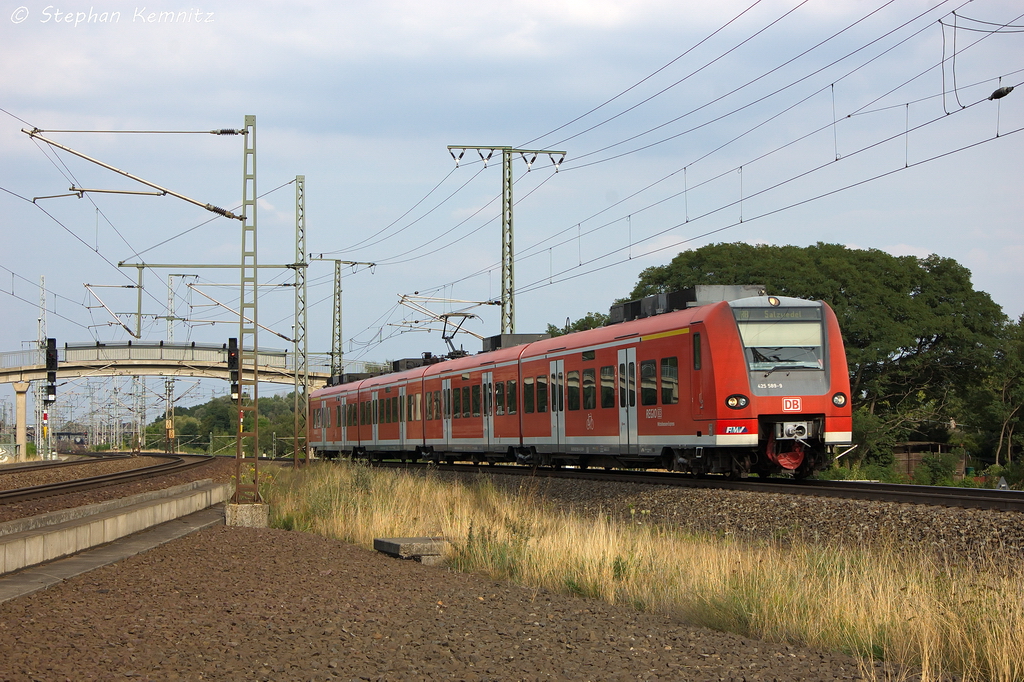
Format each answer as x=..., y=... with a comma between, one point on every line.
x=578, y=157
x=648, y=76
x=411, y=209
x=687, y=76
x=541, y=283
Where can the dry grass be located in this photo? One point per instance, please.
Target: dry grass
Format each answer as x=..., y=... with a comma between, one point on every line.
x=902, y=607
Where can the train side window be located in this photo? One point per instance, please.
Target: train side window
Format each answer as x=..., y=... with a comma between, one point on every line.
x=528, y=395
x=510, y=393
x=542, y=393
x=338, y=410
x=437, y=404
x=649, y=382
x=465, y=402
x=399, y=410
x=457, y=403
x=376, y=411
x=622, y=384
x=572, y=389
x=476, y=400
x=669, y=381
x=608, y=386
x=589, y=389
x=499, y=398
x=447, y=403
x=696, y=351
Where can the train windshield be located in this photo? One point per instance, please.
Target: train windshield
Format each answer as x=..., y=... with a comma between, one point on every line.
x=781, y=344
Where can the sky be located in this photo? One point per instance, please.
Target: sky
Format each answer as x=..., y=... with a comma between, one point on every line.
x=864, y=123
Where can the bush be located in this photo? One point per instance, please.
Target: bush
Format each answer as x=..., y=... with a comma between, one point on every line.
x=936, y=469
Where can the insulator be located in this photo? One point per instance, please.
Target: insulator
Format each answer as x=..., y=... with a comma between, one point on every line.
x=1001, y=92
x=225, y=131
x=220, y=211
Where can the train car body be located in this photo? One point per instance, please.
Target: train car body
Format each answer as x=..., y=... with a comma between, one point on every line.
x=750, y=385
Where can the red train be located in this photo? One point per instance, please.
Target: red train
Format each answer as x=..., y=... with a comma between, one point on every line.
x=756, y=384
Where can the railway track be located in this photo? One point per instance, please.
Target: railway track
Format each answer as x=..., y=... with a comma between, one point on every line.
x=172, y=464
x=978, y=498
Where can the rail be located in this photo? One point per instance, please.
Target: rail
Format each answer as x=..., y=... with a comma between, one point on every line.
x=173, y=464
x=978, y=498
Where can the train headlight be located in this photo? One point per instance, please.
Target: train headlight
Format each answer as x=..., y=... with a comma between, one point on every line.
x=737, y=401
x=839, y=400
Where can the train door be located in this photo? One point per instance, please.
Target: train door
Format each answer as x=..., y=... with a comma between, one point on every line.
x=557, y=368
x=697, y=379
x=373, y=417
x=446, y=410
x=488, y=408
x=627, y=402
x=401, y=417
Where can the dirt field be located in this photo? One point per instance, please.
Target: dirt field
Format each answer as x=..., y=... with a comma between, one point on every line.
x=244, y=604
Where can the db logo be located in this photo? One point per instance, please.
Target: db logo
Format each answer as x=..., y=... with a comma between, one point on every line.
x=791, y=405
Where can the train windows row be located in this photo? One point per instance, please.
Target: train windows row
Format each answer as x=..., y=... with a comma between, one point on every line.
x=583, y=389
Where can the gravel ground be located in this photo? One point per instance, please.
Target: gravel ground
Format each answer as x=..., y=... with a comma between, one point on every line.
x=955, y=534
x=246, y=604
x=220, y=470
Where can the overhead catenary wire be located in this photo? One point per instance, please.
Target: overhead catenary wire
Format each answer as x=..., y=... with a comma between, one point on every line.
x=544, y=282
x=575, y=164
x=534, y=249
x=687, y=76
x=648, y=76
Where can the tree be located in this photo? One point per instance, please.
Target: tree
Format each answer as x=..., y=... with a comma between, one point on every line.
x=588, y=321
x=918, y=336
x=1006, y=407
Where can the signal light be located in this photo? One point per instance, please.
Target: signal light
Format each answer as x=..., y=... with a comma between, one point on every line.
x=233, y=366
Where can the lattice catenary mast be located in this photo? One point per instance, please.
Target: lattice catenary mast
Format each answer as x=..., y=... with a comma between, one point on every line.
x=508, y=312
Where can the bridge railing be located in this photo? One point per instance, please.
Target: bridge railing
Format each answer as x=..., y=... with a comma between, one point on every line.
x=22, y=358
x=318, y=363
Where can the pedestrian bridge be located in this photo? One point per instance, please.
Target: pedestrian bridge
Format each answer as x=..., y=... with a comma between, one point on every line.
x=161, y=359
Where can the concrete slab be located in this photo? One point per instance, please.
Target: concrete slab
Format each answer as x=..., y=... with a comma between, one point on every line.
x=36, y=578
x=411, y=548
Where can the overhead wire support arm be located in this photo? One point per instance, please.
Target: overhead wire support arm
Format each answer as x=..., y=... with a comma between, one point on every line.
x=34, y=133
x=89, y=287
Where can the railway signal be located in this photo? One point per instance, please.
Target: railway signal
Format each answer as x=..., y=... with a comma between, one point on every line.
x=233, y=366
x=51, y=371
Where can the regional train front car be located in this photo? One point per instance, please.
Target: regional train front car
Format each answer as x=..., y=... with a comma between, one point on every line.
x=794, y=408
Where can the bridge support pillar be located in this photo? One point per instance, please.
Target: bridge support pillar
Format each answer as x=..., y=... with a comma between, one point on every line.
x=20, y=411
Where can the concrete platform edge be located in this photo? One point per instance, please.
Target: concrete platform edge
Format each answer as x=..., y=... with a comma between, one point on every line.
x=27, y=548
x=36, y=578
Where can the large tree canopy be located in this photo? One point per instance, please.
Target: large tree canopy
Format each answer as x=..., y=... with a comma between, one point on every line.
x=919, y=338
